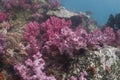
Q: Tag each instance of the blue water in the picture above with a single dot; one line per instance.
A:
(101, 9)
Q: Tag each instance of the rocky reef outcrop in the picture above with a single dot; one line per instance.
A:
(41, 40)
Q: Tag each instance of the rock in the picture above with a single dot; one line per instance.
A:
(110, 63)
(118, 53)
(61, 12)
(108, 56)
(87, 21)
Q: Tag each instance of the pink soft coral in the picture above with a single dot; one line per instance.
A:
(32, 69)
(3, 16)
(31, 29)
(31, 32)
(62, 36)
(56, 35)
(94, 39)
(98, 38)
(54, 25)
(24, 4)
(109, 36)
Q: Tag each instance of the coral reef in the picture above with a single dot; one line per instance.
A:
(41, 40)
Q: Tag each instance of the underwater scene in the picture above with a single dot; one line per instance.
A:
(59, 40)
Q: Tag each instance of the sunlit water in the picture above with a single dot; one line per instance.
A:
(101, 9)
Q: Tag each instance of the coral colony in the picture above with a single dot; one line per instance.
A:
(45, 40)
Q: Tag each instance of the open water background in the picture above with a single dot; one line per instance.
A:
(101, 9)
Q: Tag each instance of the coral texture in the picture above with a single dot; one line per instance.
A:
(2, 43)
(37, 65)
(3, 16)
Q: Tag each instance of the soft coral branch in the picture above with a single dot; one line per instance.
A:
(3, 16)
(33, 68)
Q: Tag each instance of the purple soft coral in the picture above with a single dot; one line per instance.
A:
(98, 38)
(109, 36)
(3, 16)
(62, 36)
(33, 69)
(54, 25)
(53, 35)
(31, 32)
(24, 4)
(95, 38)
